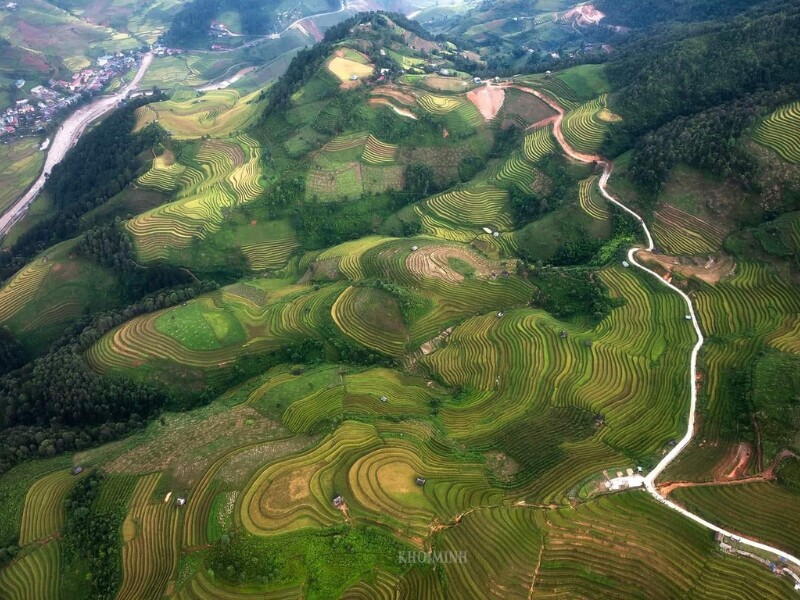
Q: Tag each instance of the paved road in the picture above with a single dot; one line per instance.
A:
(649, 481)
(65, 138)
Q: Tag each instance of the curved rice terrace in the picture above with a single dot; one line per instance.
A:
(681, 233)
(780, 132)
(592, 203)
(487, 426)
(538, 144)
(229, 175)
(583, 128)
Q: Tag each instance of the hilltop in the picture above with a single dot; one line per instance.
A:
(298, 337)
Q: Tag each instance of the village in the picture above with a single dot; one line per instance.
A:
(44, 102)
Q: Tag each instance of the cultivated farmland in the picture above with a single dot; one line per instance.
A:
(780, 131)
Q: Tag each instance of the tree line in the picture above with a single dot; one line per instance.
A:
(682, 70)
(103, 162)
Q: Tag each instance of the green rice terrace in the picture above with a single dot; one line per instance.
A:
(382, 331)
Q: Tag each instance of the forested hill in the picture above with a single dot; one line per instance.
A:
(190, 25)
(638, 14)
(689, 68)
(704, 81)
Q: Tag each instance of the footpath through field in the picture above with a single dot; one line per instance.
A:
(648, 482)
(65, 138)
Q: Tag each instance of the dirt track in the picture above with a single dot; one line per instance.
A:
(649, 482)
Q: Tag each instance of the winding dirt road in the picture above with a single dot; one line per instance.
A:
(65, 138)
(649, 481)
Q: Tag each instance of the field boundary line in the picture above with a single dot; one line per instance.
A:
(649, 481)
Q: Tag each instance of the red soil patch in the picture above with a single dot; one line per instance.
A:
(488, 100)
(583, 15)
(708, 269)
(743, 454)
(386, 102)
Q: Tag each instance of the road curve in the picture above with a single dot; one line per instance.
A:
(649, 481)
(65, 138)
(263, 38)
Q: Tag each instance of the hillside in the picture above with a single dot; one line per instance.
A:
(391, 328)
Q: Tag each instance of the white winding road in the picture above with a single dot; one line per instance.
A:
(649, 481)
(65, 138)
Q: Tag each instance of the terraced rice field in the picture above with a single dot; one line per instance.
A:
(382, 482)
(217, 113)
(780, 132)
(630, 543)
(763, 510)
(144, 116)
(231, 175)
(441, 105)
(754, 306)
(35, 575)
(624, 546)
(350, 253)
(557, 89)
(23, 287)
(286, 316)
(478, 206)
(164, 175)
(681, 233)
(516, 171)
(372, 318)
(150, 552)
(297, 493)
(203, 587)
(452, 295)
(493, 356)
(20, 163)
(271, 254)
(377, 152)
(592, 203)
(582, 127)
(43, 513)
(539, 143)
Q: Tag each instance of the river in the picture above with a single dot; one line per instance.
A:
(65, 138)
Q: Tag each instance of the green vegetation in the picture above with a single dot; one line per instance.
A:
(780, 131)
(766, 508)
(299, 337)
(21, 162)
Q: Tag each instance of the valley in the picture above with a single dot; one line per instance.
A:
(414, 317)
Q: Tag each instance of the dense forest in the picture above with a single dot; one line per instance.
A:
(57, 403)
(703, 140)
(191, 25)
(635, 13)
(686, 69)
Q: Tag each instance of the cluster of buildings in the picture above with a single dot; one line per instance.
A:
(31, 115)
(161, 50)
